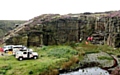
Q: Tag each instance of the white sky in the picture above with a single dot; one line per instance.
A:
(27, 9)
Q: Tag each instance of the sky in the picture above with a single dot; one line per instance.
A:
(28, 9)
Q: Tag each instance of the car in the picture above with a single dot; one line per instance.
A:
(26, 54)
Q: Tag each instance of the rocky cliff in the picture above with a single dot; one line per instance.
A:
(50, 29)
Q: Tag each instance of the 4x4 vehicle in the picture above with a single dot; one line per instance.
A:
(16, 48)
(26, 54)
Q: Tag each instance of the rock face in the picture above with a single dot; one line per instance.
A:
(102, 58)
(50, 29)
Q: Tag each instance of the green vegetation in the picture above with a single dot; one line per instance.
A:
(90, 48)
(61, 52)
(7, 25)
(105, 58)
(51, 58)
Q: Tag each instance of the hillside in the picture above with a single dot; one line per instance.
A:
(66, 52)
(50, 29)
(7, 25)
(54, 60)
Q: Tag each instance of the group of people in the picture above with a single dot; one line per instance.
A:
(89, 39)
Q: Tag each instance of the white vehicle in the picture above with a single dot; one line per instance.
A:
(26, 54)
(13, 48)
(7, 48)
(16, 48)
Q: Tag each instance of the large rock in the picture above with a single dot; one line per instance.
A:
(104, 59)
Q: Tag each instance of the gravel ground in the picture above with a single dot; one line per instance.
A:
(4, 54)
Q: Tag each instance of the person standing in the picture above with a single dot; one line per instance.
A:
(1, 51)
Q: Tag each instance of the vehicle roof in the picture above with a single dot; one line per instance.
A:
(18, 46)
(8, 45)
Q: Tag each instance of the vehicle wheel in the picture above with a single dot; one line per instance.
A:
(6, 51)
(35, 57)
(20, 58)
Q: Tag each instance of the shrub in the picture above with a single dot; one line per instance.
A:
(105, 58)
(31, 72)
(62, 52)
(44, 48)
(90, 52)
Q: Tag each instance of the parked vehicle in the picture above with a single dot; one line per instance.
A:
(26, 54)
(13, 48)
(16, 48)
(7, 48)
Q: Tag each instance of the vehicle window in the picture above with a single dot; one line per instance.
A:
(21, 50)
(30, 52)
(24, 52)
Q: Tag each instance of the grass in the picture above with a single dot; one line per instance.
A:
(105, 58)
(61, 52)
(90, 48)
(12, 66)
(52, 58)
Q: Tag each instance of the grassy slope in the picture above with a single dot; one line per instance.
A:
(50, 57)
(7, 25)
